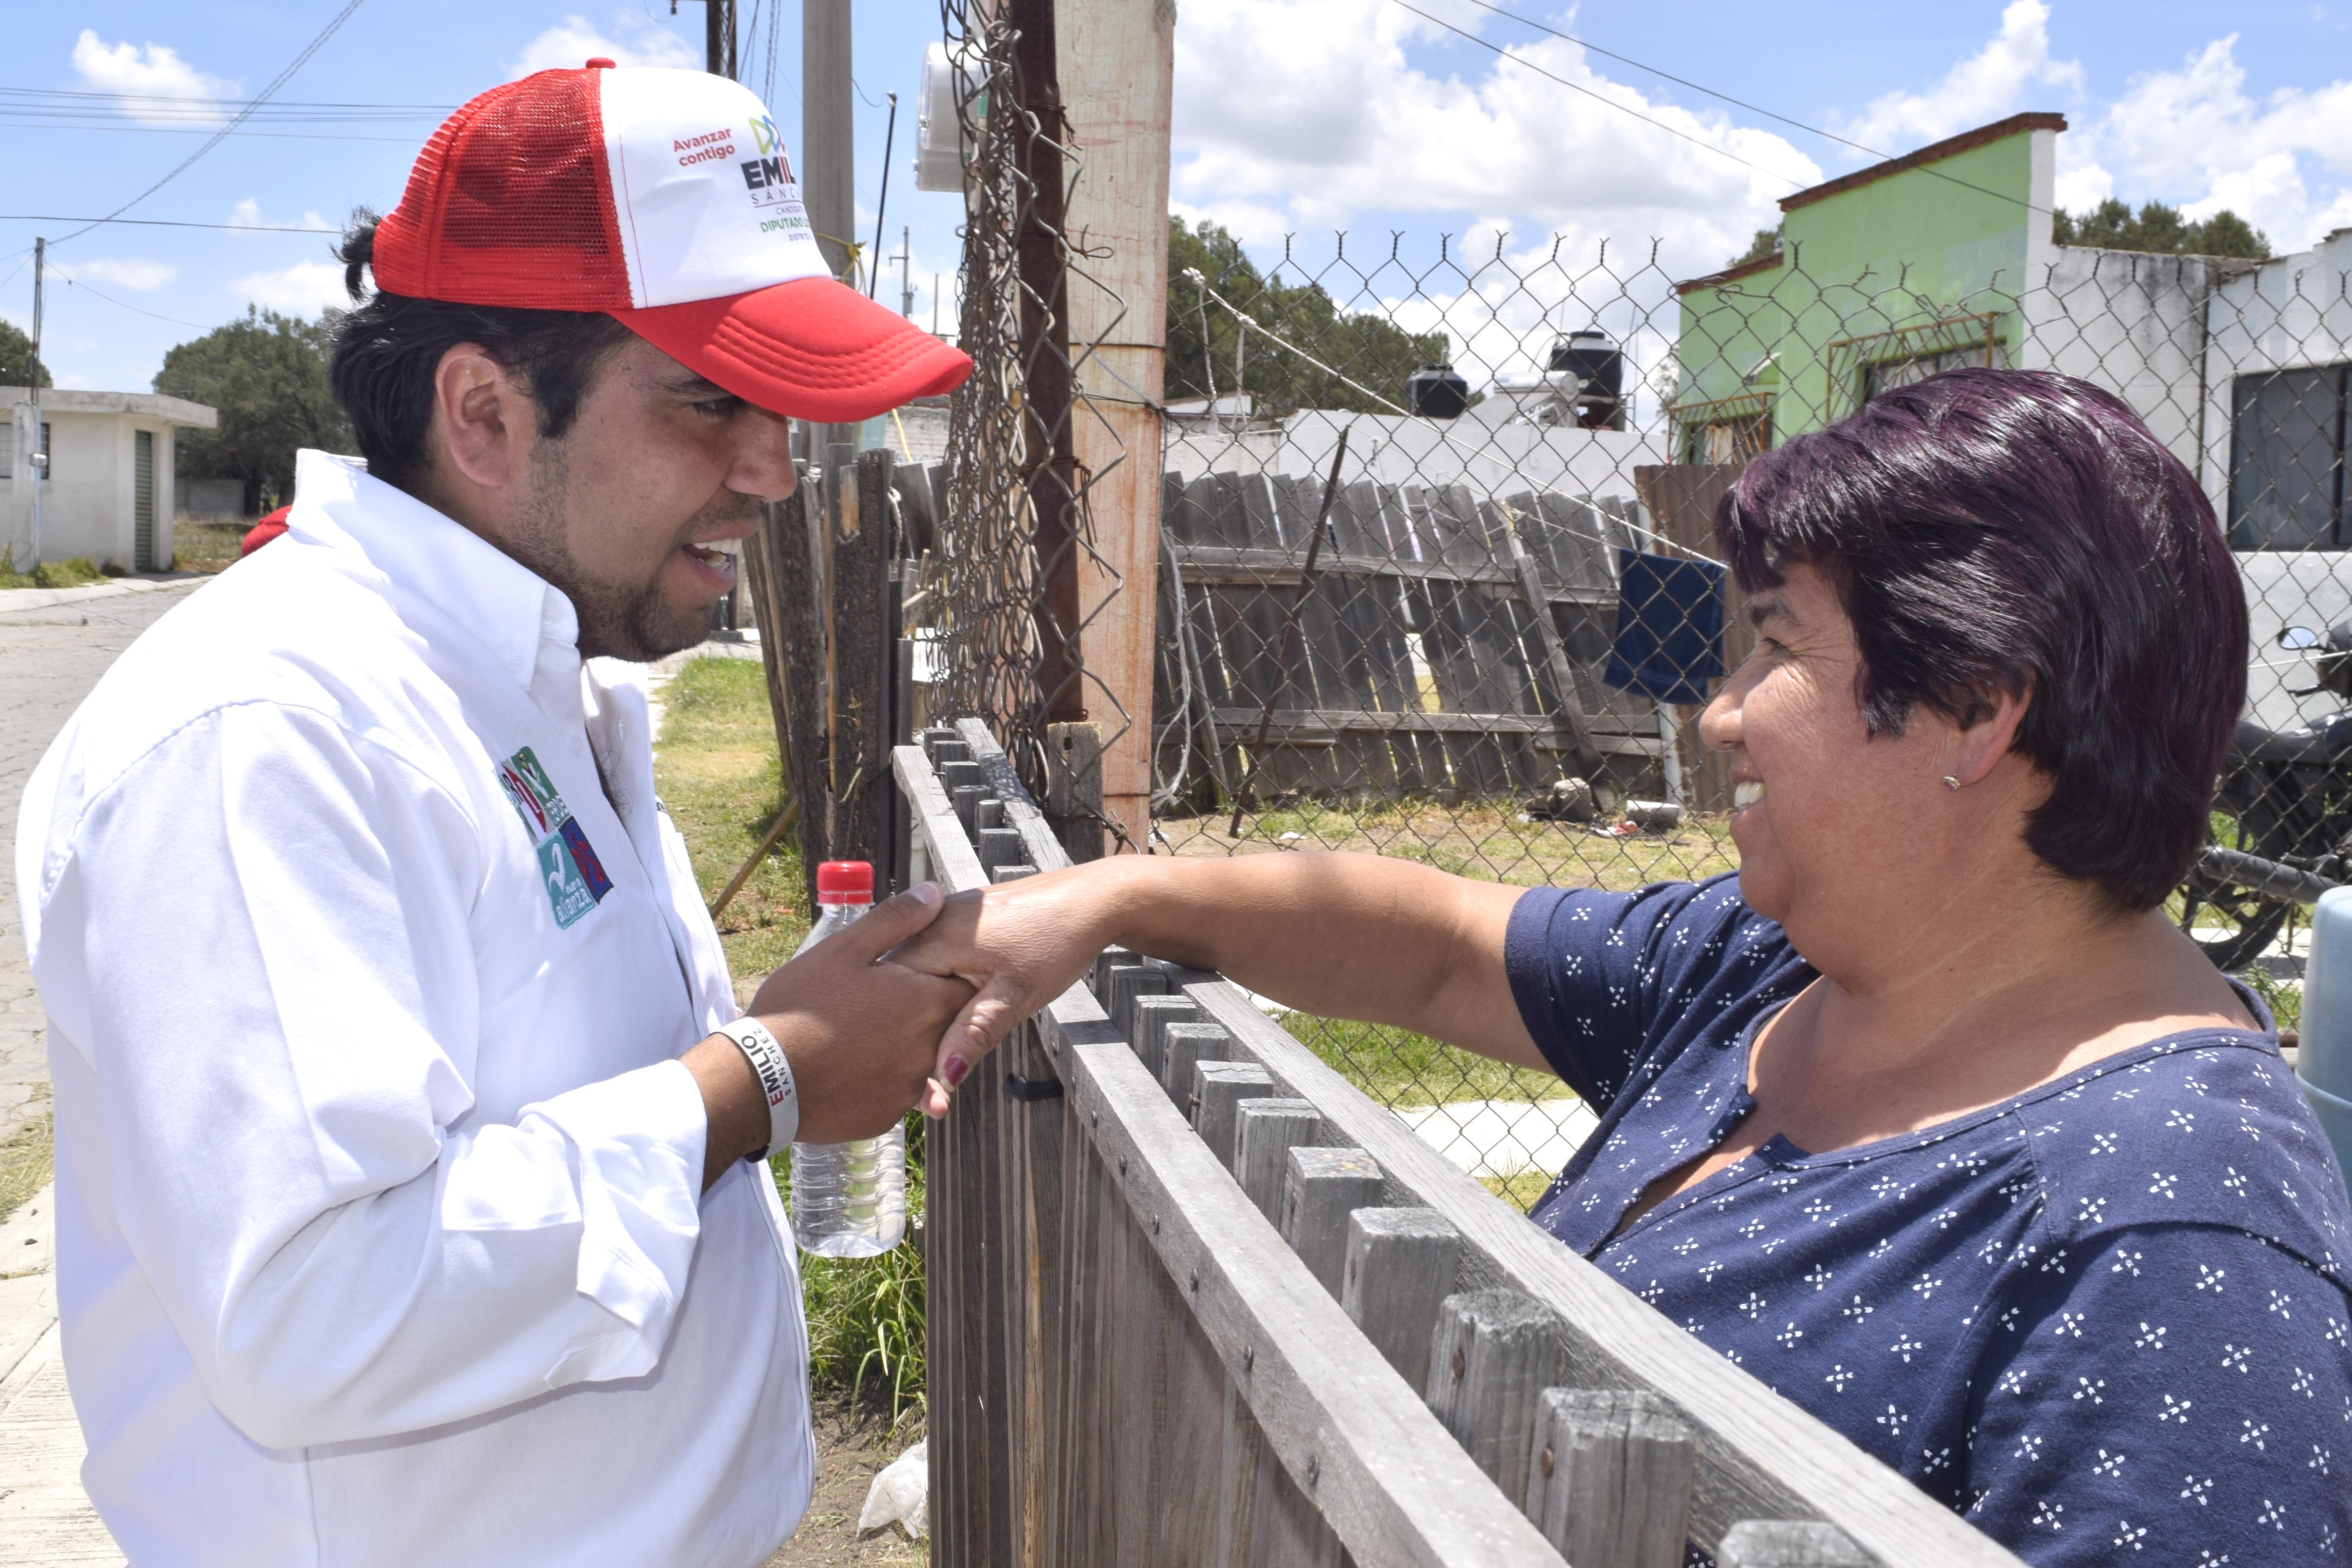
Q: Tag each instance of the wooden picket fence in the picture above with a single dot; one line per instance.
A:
(1194, 1300)
(1513, 598)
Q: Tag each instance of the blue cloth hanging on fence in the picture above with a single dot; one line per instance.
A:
(1669, 627)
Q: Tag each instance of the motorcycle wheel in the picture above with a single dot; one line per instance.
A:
(2230, 925)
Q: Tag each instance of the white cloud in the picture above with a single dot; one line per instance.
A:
(1299, 115)
(2193, 137)
(143, 275)
(147, 71)
(302, 289)
(2081, 186)
(574, 41)
(247, 214)
(1987, 86)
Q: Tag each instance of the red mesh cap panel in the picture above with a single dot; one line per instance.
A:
(511, 204)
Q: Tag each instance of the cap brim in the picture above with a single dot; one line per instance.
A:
(811, 349)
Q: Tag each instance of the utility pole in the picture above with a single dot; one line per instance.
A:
(1116, 76)
(905, 260)
(828, 166)
(38, 463)
(717, 37)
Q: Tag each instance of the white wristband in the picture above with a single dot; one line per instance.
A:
(775, 1076)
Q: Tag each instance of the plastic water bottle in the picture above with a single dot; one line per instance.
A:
(849, 1201)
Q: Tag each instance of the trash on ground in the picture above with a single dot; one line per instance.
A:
(900, 1495)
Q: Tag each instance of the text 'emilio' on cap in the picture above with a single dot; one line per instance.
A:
(665, 199)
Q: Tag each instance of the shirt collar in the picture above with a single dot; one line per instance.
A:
(514, 611)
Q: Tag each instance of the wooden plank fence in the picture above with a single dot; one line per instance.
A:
(1512, 599)
(1194, 1300)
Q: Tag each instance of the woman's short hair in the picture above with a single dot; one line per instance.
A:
(1996, 532)
(388, 348)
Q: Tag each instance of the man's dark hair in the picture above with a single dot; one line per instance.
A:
(1999, 532)
(387, 349)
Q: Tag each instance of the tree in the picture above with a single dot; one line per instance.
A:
(1364, 346)
(2111, 226)
(1766, 242)
(16, 357)
(267, 375)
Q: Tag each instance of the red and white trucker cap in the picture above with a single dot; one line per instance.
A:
(665, 199)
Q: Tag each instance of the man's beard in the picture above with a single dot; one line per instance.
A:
(617, 620)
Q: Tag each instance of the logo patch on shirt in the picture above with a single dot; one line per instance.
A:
(568, 865)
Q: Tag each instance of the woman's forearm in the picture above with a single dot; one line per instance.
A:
(1348, 935)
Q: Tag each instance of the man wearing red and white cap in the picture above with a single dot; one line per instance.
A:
(408, 1206)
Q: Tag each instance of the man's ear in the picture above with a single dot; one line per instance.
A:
(482, 416)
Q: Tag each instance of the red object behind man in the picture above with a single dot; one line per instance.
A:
(262, 532)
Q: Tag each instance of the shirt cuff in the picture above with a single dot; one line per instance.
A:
(638, 1143)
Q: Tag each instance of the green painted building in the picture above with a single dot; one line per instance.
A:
(1884, 276)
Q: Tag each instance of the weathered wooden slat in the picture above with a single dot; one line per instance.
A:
(1296, 727)
(1264, 1132)
(1399, 1266)
(1492, 1355)
(1782, 1544)
(999, 846)
(1219, 1089)
(1609, 1482)
(1320, 1188)
(1128, 983)
(1153, 1015)
(1349, 1440)
(1184, 1044)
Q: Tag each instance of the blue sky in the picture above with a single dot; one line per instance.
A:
(1292, 116)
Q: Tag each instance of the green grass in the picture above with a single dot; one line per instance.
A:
(74, 571)
(1398, 1068)
(717, 769)
(206, 547)
(27, 1162)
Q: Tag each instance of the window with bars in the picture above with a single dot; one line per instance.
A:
(2287, 489)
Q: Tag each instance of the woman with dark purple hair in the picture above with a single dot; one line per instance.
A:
(1928, 1117)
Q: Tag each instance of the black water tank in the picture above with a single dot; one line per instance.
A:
(1592, 357)
(1434, 392)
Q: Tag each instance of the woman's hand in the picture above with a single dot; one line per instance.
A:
(1019, 945)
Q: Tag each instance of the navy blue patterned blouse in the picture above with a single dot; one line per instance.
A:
(2105, 1320)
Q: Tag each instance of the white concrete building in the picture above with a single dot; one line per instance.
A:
(107, 492)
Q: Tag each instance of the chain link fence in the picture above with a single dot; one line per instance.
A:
(1437, 577)
(1012, 579)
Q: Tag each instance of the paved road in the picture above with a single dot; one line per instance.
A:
(53, 648)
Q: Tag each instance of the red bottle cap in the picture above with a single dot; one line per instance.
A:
(844, 882)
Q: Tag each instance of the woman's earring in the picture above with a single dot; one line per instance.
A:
(1951, 782)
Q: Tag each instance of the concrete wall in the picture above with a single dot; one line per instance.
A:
(1391, 449)
(2134, 324)
(2290, 312)
(87, 503)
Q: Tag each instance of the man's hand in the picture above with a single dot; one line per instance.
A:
(859, 1032)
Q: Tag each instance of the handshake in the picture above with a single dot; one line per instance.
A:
(900, 1008)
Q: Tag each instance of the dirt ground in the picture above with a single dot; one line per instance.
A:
(851, 1446)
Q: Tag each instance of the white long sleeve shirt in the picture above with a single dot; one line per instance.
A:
(368, 954)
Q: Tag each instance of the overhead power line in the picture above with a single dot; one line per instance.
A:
(276, 82)
(72, 282)
(160, 224)
(1527, 64)
(1663, 75)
